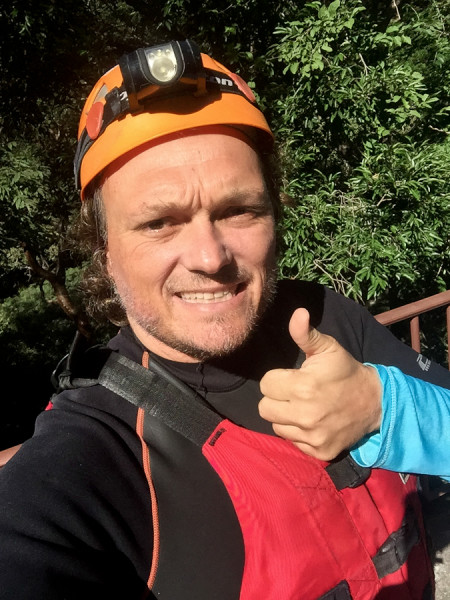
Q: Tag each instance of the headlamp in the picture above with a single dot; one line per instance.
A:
(148, 71)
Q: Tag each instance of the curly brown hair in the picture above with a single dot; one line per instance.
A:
(102, 303)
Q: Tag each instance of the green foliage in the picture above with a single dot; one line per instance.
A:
(365, 149)
(22, 177)
(384, 228)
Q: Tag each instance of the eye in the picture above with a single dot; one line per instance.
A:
(236, 211)
(164, 226)
(156, 225)
(239, 211)
(244, 213)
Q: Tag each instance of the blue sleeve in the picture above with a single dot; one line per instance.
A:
(414, 436)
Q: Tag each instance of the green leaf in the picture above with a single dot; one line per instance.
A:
(323, 13)
(349, 23)
(333, 7)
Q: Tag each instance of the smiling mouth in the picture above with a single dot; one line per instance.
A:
(208, 297)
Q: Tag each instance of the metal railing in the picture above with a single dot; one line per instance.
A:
(413, 311)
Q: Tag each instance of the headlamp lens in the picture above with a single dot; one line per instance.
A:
(162, 63)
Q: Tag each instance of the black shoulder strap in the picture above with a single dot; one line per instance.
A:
(160, 395)
(155, 390)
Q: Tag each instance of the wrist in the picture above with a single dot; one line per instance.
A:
(374, 395)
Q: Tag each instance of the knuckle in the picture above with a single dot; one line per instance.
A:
(267, 383)
(280, 430)
(320, 439)
(263, 407)
(309, 422)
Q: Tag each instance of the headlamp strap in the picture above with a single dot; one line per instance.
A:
(116, 103)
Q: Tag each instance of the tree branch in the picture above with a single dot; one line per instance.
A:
(61, 293)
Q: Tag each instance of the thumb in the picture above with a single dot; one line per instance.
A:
(306, 337)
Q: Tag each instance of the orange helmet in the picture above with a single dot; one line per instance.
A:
(155, 92)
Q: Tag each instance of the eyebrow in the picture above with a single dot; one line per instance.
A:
(259, 194)
(256, 196)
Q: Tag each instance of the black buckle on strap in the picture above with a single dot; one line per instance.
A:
(346, 473)
(395, 550)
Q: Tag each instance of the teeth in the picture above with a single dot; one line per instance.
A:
(206, 296)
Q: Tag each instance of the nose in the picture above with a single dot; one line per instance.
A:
(204, 249)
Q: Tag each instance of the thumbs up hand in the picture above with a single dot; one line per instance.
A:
(329, 403)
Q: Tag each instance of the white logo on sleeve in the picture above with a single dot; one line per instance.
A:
(424, 363)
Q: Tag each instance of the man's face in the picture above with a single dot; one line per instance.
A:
(191, 243)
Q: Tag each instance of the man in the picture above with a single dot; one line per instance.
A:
(191, 495)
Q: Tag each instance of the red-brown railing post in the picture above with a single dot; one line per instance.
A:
(414, 327)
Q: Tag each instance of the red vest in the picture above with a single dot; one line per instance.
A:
(303, 538)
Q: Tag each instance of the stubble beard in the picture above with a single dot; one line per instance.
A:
(228, 338)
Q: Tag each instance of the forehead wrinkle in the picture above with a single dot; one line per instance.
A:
(166, 196)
